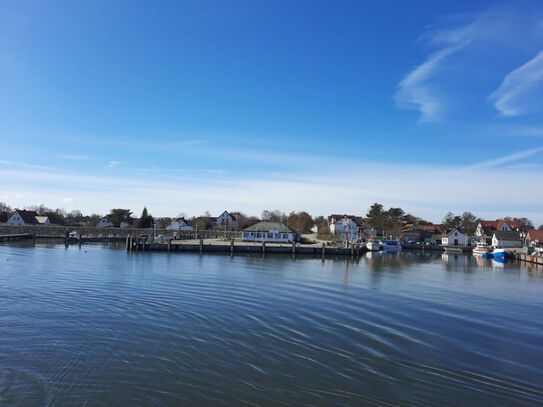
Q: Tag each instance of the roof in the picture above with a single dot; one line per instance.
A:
(41, 219)
(229, 214)
(506, 235)
(266, 226)
(356, 219)
(181, 219)
(459, 230)
(535, 234)
(491, 225)
(28, 216)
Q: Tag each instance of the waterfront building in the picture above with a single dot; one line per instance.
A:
(486, 228)
(455, 237)
(347, 227)
(421, 233)
(180, 224)
(506, 238)
(534, 238)
(268, 232)
(27, 218)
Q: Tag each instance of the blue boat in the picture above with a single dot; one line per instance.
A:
(500, 254)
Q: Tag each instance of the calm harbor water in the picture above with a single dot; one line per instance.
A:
(96, 326)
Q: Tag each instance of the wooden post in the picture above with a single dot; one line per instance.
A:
(293, 247)
(232, 247)
(352, 250)
(201, 245)
(127, 243)
(358, 250)
(170, 244)
(263, 247)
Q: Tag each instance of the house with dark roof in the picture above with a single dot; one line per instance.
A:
(421, 233)
(180, 224)
(347, 227)
(226, 220)
(268, 232)
(506, 238)
(27, 218)
(105, 222)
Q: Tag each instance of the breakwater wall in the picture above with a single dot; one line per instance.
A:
(60, 232)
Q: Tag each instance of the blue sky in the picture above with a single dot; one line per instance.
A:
(251, 105)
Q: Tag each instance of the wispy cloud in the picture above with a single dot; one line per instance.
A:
(505, 159)
(521, 91)
(464, 45)
(416, 92)
(75, 157)
(113, 164)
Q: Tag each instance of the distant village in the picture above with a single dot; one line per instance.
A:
(277, 226)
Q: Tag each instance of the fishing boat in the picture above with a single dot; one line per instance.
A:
(372, 246)
(482, 250)
(391, 245)
(500, 254)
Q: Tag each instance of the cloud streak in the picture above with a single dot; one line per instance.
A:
(416, 92)
(521, 91)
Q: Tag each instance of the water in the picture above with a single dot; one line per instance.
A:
(96, 326)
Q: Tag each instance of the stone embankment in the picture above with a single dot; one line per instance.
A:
(60, 232)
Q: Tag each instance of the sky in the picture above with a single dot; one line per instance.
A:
(324, 106)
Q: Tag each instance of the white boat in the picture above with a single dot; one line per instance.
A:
(391, 245)
(482, 250)
(372, 246)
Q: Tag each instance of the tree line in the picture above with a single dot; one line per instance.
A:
(383, 221)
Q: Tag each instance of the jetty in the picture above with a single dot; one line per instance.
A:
(138, 244)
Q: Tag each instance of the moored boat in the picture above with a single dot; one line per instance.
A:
(372, 246)
(500, 254)
(391, 245)
(482, 250)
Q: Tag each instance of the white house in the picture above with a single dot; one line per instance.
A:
(347, 227)
(43, 220)
(268, 232)
(507, 239)
(179, 224)
(104, 223)
(455, 237)
(22, 217)
(227, 220)
(486, 228)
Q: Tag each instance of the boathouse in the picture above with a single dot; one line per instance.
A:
(268, 232)
(502, 238)
(455, 237)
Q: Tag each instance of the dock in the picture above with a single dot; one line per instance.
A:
(135, 244)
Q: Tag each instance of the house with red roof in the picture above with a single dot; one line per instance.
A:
(486, 228)
(534, 238)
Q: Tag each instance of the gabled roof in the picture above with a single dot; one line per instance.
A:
(27, 216)
(356, 219)
(229, 214)
(506, 235)
(181, 219)
(535, 234)
(41, 219)
(266, 226)
(491, 225)
(459, 230)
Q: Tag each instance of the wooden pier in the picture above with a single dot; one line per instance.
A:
(16, 237)
(529, 258)
(136, 244)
